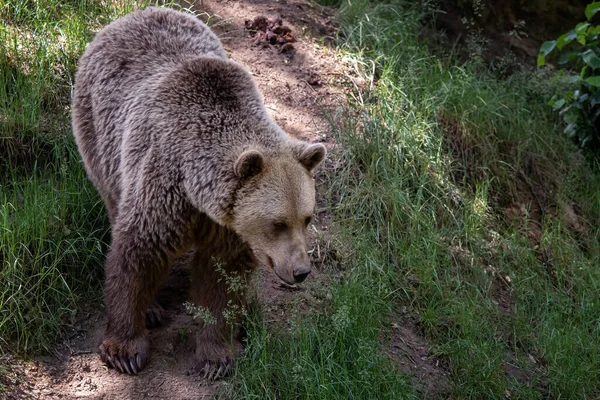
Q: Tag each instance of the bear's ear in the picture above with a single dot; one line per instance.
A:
(311, 155)
(248, 164)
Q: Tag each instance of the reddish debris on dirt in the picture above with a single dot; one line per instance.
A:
(271, 32)
(260, 23)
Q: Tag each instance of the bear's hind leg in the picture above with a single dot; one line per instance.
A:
(217, 342)
(155, 315)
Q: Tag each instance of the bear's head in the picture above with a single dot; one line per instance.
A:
(277, 207)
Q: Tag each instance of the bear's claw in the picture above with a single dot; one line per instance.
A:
(155, 316)
(131, 365)
(214, 370)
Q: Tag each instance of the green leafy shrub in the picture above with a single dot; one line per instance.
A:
(580, 106)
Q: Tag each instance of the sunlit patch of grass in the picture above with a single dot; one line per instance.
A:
(52, 230)
(325, 356)
(40, 43)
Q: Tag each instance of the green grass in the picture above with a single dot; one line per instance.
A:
(323, 355)
(554, 316)
(52, 231)
(489, 299)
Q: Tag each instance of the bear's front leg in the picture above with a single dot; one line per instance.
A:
(217, 342)
(134, 272)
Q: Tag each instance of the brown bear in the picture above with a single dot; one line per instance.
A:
(176, 138)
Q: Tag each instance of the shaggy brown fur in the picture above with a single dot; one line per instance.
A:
(177, 140)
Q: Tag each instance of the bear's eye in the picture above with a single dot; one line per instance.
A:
(307, 221)
(280, 226)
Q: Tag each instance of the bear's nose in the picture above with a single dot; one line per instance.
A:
(300, 274)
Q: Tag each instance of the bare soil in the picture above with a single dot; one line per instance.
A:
(405, 343)
(298, 83)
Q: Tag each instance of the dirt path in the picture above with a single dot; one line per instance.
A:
(298, 82)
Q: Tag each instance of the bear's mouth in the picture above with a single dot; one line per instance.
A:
(270, 263)
(272, 266)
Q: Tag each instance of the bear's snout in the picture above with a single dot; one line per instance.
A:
(292, 269)
(301, 273)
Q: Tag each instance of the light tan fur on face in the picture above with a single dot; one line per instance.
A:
(273, 217)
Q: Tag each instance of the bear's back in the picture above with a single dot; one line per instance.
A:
(148, 41)
(124, 59)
